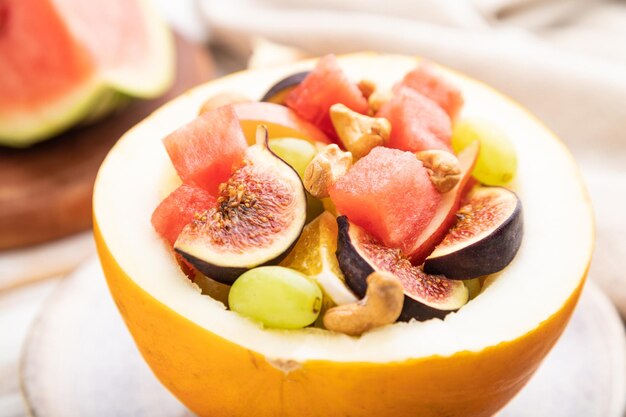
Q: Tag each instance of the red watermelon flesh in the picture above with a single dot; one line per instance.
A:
(63, 62)
(127, 45)
(205, 151)
(427, 82)
(41, 64)
(389, 194)
(424, 243)
(178, 209)
(324, 86)
(417, 123)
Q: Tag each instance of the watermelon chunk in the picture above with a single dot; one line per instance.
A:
(324, 86)
(178, 209)
(68, 61)
(417, 123)
(424, 243)
(205, 151)
(389, 194)
(427, 82)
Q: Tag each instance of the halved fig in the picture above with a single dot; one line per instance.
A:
(426, 296)
(444, 218)
(278, 92)
(485, 238)
(258, 217)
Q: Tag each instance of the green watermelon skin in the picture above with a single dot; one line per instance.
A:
(70, 62)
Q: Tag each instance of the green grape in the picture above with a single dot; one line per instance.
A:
(473, 286)
(276, 296)
(497, 160)
(314, 208)
(296, 152)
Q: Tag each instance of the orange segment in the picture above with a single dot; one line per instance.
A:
(314, 255)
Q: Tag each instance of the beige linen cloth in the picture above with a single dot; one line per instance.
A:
(565, 60)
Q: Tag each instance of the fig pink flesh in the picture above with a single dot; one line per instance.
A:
(416, 283)
(485, 238)
(251, 209)
(482, 213)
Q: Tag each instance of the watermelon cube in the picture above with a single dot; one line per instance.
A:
(427, 82)
(324, 86)
(205, 151)
(389, 194)
(417, 123)
(178, 209)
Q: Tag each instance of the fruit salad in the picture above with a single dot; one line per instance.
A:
(384, 204)
(341, 246)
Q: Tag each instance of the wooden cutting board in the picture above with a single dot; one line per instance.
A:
(45, 191)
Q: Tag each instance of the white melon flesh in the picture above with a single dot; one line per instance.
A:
(552, 261)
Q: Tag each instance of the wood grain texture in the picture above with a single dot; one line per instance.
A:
(45, 191)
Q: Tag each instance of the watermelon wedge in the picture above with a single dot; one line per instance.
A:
(326, 85)
(205, 150)
(389, 194)
(63, 62)
(178, 209)
(426, 81)
(422, 245)
(418, 123)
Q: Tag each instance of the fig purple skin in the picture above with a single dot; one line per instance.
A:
(484, 240)
(284, 84)
(227, 274)
(359, 255)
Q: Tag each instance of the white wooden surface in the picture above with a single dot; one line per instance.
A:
(27, 277)
(18, 309)
(58, 258)
(81, 361)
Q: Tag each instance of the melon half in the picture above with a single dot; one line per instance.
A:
(470, 364)
(63, 62)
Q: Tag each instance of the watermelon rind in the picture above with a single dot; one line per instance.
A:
(27, 128)
(99, 95)
(152, 83)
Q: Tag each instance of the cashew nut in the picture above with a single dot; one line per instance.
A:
(326, 167)
(442, 167)
(381, 305)
(359, 133)
(222, 99)
(377, 99)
